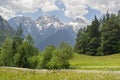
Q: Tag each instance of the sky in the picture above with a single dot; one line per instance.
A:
(64, 9)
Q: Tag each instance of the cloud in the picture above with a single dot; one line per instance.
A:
(27, 6)
(19, 5)
(75, 8)
(71, 8)
(104, 5)
(48, 5)
(6, 13)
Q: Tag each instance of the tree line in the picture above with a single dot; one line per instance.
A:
(102, 37)
(20, 51)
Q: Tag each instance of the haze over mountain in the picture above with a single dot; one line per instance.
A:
(48, 30)
(28, 26)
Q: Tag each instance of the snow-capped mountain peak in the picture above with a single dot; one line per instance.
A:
(77, 24)
(46, 28)
(45, 22)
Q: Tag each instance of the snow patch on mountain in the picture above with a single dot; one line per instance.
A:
(46, 27)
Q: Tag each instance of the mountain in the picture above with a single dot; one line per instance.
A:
(48, 30)
(29, 27)
(56, 38)
(48, 24)
(54, 31)
(77, 24)
(5, 30)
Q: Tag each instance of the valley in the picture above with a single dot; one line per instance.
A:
(59, 40)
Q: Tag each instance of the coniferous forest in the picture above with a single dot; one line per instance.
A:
(100, 38)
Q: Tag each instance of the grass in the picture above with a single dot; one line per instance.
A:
(84, 60)
(85, 68)
(29, 74)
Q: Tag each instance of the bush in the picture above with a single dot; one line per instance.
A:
(59, 60)
(53, 58)
(45, 57)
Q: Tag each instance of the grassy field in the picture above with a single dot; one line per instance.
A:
(29, 74)
(111, 62)
(85, 68)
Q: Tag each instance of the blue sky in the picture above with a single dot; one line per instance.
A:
(66, 10)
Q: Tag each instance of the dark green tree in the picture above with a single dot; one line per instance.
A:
(81, 41)
(88, 40)
(110, 36)
(29, 40)
(25, 52)
(18, 38)
(94, 37)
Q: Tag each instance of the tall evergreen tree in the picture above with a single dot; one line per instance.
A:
(110, 35)
(81, 41)
(101, 37)
(88, 40)
(18, 38)
(25, 52)
(94, 37)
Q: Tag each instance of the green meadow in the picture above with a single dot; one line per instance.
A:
(110, 62)
(83, 67)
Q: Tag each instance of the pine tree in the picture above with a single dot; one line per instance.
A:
(88, 40)
(18, 38)
(81, 41)
(94, 37)
(25, 53)
(110, 35)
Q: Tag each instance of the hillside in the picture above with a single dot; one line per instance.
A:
(5, 30)
(83, 61)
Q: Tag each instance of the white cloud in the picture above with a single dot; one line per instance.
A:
(75, 8)
(19, 5)
(104, 5)
(27, 6)
(48, 5)
(6, 13)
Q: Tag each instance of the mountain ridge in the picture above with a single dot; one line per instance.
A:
(5, 30)
(46, 26)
